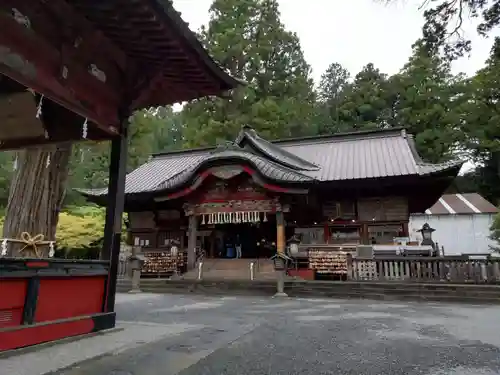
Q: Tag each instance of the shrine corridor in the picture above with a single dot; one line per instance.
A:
(198, 335)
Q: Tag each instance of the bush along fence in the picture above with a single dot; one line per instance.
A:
(424, 269)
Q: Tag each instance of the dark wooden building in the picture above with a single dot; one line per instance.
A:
(345, 189)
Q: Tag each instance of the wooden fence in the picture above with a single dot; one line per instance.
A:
(420, 269)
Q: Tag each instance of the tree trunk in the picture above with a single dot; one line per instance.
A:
(36, 196)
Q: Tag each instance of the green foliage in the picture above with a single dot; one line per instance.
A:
(249, 40)
(428, 103)
(78, 226)
(331, 92)
(495, 232)
(365, 101)
(444, 20)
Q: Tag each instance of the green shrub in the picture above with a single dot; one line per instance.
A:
(495, 232)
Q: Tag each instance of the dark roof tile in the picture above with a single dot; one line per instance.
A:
(372, 154)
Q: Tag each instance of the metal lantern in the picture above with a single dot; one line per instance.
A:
(426, 231)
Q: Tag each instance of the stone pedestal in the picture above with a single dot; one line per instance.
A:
(136, 280)
(280, 284)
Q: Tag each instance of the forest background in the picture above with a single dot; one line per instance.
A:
(451, 115)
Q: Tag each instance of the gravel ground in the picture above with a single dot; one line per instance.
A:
(199, 335)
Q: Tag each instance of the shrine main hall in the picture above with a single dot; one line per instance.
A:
(228, 201)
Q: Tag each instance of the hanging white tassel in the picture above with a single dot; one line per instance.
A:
(210, 219)
(265, 218)
(14, 166)
(203, 219)
(39, 108)
(51, 249)
(227, 218)
(47, 164)
(85, 129)
(4, 247)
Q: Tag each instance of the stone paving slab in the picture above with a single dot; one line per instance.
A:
(292, 336)
(59, 356)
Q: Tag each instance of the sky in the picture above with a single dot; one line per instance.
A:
(353, 32)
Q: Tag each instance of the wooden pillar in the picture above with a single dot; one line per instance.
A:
(114, 212)
(192, 233)
(326, 233)
(365, 240)
(280, 232)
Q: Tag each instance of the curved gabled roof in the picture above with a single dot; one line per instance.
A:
(233, 155)
(273, 152)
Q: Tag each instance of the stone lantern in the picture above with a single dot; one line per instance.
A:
(426, 232)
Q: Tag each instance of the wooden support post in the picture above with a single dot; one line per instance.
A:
(114, 212)
(280, 232)
(192, 233)
(280, 248)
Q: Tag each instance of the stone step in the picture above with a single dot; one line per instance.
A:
(340, 290)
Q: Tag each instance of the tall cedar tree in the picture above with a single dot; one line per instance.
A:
(331, 91)
(249, 40)
(38, 184)
(481, 124)
(364, 102)
(428, 101)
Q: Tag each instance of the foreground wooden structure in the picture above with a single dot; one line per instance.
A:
(72, 71)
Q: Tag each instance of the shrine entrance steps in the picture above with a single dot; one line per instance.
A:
(234, 269)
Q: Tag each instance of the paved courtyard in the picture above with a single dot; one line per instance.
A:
(198, 335)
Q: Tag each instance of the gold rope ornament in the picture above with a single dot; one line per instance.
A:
(29, 243)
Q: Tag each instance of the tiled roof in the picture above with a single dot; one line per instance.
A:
(362, 155)
(468, 203)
